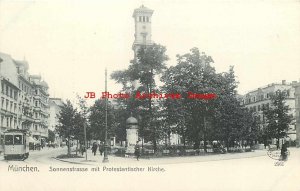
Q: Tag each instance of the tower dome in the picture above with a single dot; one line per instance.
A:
(131, 120)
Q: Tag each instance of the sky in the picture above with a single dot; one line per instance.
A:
(71, 42)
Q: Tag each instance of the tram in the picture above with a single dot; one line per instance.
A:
(16, 144)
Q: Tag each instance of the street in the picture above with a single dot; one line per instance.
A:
(248, 174)
(42, 157)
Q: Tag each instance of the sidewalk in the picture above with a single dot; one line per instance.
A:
(96, 160)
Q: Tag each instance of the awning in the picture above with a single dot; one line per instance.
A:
(32, 140)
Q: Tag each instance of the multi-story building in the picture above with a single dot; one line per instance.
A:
(55, 105)
(24, 99)
(297, 108)
(40, 107)
(259, 99)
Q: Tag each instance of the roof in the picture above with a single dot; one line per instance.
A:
(16, 130)
(56, 101)
(43, 83)
(142, 9)
(22, 63)
(131, 120)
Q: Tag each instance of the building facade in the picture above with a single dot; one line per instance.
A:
(297, 108)
(55, 105)
(259, 99)
(24, 99)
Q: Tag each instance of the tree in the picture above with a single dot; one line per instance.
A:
(277, 117)
(190, 117)
(84, 128)
(149, 62)
(66, 120)
(250, 130)
(51, 136)
(202, 120)
(97, 120)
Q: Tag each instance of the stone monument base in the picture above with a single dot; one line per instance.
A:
(130, 150)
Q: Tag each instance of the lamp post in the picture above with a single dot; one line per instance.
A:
(85, 142)
(105, 158)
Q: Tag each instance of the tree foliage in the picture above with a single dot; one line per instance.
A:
(67, 122)
(278, 117)
(149, 62)
(97, 120)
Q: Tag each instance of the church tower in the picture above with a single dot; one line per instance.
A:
(142, 36)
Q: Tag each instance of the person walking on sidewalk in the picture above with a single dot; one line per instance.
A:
(101, 148)
(94, 148)
(137, 150)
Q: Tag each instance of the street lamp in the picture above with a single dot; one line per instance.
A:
(105, 158)
(85, 141)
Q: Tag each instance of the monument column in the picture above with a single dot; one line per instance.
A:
(131, 134)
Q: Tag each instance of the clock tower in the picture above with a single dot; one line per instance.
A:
(142, 35)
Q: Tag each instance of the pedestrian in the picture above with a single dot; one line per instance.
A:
(284, 151)
(137, 150)
(82, 149)
(94, 148)
(101, 148)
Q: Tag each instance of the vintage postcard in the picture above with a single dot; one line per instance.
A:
(150, 95)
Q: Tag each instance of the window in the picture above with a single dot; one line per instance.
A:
(18, 140)
(258, 108)
(2, 119)
(1, 139)
(8, 139)
(15, 95)
(2, 87)
(268, 96)
(140, 18)
(288, 93)
(7, 102)
(143, 18)
(147, 18)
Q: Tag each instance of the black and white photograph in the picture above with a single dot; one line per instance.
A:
(150, 95)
